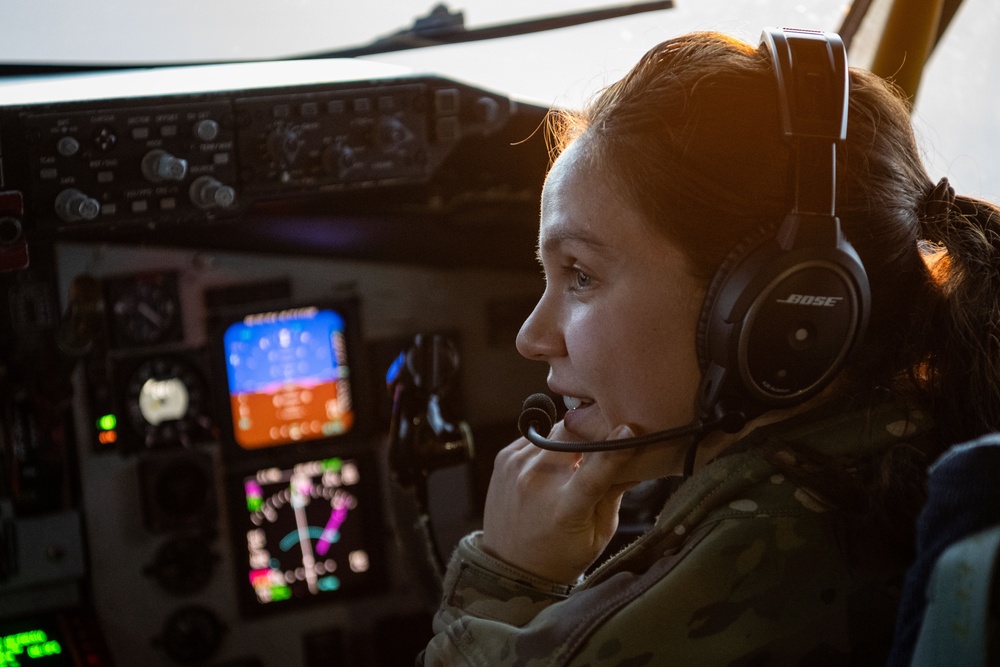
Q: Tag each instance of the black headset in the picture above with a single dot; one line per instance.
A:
(782, 315)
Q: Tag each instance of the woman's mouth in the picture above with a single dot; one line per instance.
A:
(576, 414)
(573, 402)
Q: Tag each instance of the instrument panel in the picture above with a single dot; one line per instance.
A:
(209, 155)
(322, 213)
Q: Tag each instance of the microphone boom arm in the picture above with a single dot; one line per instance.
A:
(539, 414)
(694, 428)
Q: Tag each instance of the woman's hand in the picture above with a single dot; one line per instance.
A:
(553, 513)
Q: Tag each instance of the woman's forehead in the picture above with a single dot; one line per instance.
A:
(580, 204)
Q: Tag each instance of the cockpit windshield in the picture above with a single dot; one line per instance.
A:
(536, 62)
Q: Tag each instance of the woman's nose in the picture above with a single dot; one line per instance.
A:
(540, 337)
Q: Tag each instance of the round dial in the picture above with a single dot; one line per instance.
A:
(145, 310)
(192, 634)
(166, 402)
(163, 400)
(183, 565)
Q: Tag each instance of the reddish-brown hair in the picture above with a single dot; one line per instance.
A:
(690, 139)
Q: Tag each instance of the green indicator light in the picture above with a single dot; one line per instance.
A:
(41, 650)
(280, 593)
(332, 464)
(18, 641)
(107, 422)
(254, 504)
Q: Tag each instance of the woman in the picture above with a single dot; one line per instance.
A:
(788, 540)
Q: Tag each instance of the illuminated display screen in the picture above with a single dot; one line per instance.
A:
(289, 377)
(306, 531)
(32, 645)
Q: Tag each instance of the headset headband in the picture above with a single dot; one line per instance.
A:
(811, 70)
(782, 315)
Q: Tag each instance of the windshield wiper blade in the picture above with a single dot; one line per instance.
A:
(441, 26)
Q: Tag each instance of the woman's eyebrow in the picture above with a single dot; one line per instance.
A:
(560, 237)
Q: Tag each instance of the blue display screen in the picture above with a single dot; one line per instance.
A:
(289, 377)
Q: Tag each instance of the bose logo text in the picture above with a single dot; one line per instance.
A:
(810, 300)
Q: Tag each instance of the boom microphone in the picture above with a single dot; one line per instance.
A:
(538, 411)
(538, 415)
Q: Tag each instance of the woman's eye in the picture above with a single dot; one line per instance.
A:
(574, 278)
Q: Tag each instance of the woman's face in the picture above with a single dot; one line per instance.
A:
(618, 317)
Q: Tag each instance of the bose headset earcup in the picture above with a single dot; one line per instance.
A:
(782, 315)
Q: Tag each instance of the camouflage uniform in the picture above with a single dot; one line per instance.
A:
(743, 567)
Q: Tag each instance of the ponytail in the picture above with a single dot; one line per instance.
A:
(961, 243)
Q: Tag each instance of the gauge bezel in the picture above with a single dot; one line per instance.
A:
(187, 364)
(143, 309)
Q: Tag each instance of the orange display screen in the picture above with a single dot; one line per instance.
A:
(289, 378)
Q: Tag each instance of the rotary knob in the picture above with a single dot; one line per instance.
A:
(206, 129)
(75, 206)
(208, 193)
(67, 146)
(341, 160)
(159, 166)
(392, 133)
(284, 144)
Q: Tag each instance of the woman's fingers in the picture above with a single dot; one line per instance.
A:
(599, 473)
(553, 513)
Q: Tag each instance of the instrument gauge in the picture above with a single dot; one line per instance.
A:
(166, 402)
(144, 309)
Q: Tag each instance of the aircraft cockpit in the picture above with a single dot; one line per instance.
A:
(262, 269)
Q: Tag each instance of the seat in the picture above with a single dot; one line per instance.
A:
(959, 625)
(946, 613)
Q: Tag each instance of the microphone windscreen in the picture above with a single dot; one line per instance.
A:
(538, 410)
